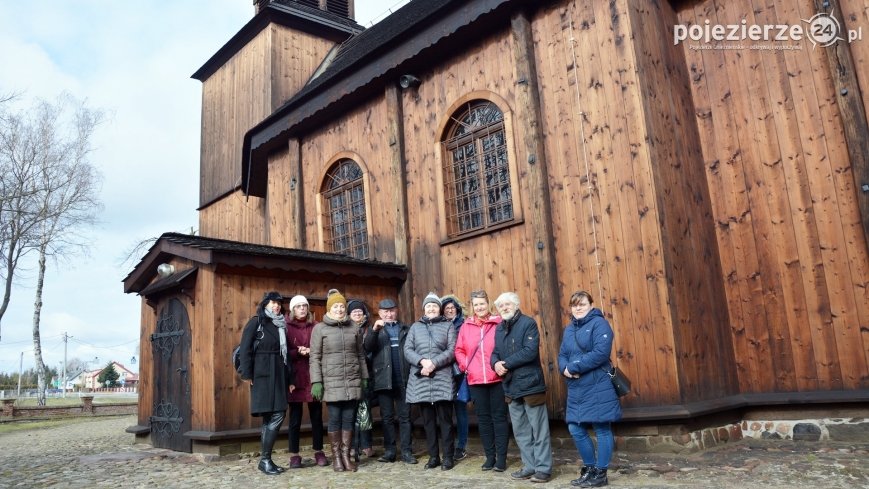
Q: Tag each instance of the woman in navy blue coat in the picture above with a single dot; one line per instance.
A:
(592, 403)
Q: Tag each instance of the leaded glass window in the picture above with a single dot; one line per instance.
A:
(476, 171)
(344, 223)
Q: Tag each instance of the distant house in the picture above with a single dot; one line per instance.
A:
(87, 379)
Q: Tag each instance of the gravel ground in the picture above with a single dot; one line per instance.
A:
(97, 452)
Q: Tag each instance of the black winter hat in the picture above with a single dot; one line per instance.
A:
(272, 296)
(354, 304)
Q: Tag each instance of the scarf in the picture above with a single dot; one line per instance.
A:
(281, 324)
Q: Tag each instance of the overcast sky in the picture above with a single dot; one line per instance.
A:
(133, 60)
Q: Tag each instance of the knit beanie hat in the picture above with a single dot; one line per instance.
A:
(334, 297)
(296, 300)
(431, 298)
(354, 304)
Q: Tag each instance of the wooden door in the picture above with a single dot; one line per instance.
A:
(170, 344)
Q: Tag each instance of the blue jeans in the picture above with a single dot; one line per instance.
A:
(604, 434)
(461, 409)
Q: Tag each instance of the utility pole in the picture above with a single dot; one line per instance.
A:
(63, 376)
(20, 371)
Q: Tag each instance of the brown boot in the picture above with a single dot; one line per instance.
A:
(335, 441)
(346, 441)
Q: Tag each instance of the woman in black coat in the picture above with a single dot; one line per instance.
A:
(264, 365)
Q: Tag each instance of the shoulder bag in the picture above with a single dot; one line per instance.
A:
(621, 382)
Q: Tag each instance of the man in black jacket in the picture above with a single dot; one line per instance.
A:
(385, 341)
(517, 360)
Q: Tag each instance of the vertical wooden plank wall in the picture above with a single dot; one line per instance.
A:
(604, 201)
(691, 271)
(498, 261)
(207, 362)
(856, 17)
(263, 75)
(148, 326)
(234, 99)
(236, 217)
(539, 208)
(280, 200)
(363, 134)
(295, 55)
(784, 203)
(398, 178)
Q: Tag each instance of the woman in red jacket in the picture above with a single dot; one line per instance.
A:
(474, 347)
(299, 338)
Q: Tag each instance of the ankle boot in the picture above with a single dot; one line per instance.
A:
(335, 442)
(596, 478)
(583, 476)
(346, 459)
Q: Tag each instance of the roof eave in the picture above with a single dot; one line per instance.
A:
(281, 15)
(347, 84)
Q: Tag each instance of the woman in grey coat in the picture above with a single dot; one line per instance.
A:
(338, 375)
(429, 349)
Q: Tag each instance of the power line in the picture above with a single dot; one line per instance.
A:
(73, 338)
(11, 343)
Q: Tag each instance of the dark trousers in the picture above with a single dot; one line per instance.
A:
(437, 419)
(315, 412)
(393, 406)
(342, 415)
(492, 419)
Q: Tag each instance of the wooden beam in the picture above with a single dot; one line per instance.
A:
(297, 198)
(529, 121)
(398, 181)
(850, 102)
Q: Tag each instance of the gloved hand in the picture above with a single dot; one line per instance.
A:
(317, 390)
(364, 385)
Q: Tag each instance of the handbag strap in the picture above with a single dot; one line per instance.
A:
(465, 371)
(468, 364)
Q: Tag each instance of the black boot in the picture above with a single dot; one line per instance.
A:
(267, 442)
(268, 467)
(596, 478)
(583, 476)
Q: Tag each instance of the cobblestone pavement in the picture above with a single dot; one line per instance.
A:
(98, 453)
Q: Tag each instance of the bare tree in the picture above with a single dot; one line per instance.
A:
(19, 161)
(59, 197)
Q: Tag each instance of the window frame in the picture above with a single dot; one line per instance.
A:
(442, 156)
(325, 229)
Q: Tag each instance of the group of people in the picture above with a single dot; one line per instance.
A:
(344, 359)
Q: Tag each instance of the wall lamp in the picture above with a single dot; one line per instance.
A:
(408, 81)
(165, 269)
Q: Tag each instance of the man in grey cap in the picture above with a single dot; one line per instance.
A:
(385, 341)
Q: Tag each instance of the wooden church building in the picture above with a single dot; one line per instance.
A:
(711, 193)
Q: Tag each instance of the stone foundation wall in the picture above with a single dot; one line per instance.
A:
(790, 423)
(835, 429)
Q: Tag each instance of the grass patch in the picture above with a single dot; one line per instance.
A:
(23, 425)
